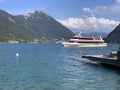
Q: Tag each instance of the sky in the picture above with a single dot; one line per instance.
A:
(77, 15)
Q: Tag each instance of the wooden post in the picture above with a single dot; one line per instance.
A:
(118, 55)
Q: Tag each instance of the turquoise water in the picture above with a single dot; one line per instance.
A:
(53, 67)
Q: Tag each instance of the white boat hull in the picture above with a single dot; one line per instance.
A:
(68, 44)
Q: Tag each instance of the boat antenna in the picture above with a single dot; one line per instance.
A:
(100, 37)
(79, 34)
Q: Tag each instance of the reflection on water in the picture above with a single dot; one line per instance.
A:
(53, 67)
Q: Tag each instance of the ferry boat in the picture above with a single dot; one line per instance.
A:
(85, 41)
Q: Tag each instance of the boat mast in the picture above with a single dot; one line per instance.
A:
(79, 34)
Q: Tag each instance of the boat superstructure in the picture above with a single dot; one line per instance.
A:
(85, 41)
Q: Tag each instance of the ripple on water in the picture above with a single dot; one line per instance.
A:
(52, 67)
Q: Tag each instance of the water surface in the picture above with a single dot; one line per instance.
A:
(53, 67)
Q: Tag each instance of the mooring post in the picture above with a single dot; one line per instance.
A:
(118, 54)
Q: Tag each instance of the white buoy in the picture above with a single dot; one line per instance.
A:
(17, 54)
(17, 57)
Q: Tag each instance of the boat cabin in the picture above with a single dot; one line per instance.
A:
(86, 39)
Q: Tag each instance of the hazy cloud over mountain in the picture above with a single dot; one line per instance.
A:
(90, 24)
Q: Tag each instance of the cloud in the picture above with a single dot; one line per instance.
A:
(113, 9)
(88, 10)
(117, 1)
(90, 24)
(74, 23)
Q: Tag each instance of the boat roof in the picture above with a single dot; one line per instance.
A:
(78, 36)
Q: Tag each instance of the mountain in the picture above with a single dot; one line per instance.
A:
(32, 26)
(9, 29)
(114, 36)
(43, 25)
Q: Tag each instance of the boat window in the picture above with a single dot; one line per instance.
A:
(83, 38)
(87, 38)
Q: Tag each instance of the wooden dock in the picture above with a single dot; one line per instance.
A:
(111, 60)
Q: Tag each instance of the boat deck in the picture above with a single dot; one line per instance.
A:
(100, 56)
(103, 59)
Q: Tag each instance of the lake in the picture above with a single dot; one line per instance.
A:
(53, 67)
